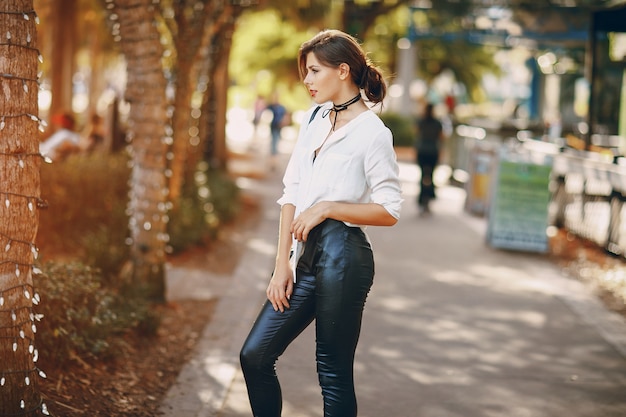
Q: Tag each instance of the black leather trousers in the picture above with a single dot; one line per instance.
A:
(334, 276)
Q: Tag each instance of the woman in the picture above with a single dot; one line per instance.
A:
(342, 176)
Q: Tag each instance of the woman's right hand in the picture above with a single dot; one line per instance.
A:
(280, 287)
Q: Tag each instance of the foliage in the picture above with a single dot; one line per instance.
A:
(401, 127)
(263, 59)
(436, 56)
(86, 215)
(265, 48)
(442, 46)
(204, 206)
(82, 315)
(305, 13)
(86, 218)
(86, 304)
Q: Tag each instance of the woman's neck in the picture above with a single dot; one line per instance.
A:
(344, 98)
(343, 112)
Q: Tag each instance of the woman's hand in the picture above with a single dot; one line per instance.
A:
(308, 219)
(280, 287)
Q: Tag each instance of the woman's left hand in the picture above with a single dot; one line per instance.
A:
(308, 219)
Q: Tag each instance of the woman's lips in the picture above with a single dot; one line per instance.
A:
(313, 92)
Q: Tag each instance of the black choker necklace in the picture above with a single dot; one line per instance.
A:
(341, 107)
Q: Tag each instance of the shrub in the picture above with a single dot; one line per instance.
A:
(83, 316)
(206, 204)
(401, 127)
(86, 216)
(87, 305)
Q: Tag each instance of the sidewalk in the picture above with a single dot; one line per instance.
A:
(452, 328)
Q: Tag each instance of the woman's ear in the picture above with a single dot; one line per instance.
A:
(344, 71)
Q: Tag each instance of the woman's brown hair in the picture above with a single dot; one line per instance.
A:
(333, 48)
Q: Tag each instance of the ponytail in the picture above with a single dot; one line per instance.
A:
(373, 84)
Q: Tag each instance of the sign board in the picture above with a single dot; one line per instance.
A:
(481, 166)
(518, 213)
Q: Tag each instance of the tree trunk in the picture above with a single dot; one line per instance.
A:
(19, 203)
(213, 119)
(190, 25)
(147, 133)
(181, 125)
(220, 148)
(62, 65)
(195, 44)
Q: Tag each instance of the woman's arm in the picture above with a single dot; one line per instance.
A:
(281, 285)
(367, 214)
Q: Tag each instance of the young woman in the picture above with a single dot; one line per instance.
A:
(342, 176)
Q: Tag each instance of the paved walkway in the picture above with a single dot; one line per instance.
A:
(452, 328)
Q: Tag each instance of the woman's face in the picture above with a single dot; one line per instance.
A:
(322, 81)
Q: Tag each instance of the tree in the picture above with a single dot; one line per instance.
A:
(63, 44)
(19, 191)
(135, 25)
(213, 116)
(201, 37)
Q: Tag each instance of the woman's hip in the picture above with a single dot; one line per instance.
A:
(333, 244)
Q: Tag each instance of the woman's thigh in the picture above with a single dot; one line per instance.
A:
(273, 331)
(344, 275)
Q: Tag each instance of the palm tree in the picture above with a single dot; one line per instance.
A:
(19, 192)
(136, 27)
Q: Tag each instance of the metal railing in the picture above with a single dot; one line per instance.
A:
(588, 189)
(588, 194)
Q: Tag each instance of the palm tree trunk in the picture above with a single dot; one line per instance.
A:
(19, 196)
(148, 126)
(64, 41)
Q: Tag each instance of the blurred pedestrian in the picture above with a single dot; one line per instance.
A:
(342, 176)
(64, 140)
(278, 113)
(428, 149)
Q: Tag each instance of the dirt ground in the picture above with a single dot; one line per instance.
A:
(603, 273)
(135, 383)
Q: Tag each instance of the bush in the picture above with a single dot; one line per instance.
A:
(401, 127)
(206, 204)
(86, 216)
(83, 316)
(87, 305)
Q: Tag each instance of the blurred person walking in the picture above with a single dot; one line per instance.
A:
(278, 114)
(428, 149)
(342, 176)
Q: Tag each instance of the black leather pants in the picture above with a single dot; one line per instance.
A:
(334, 276)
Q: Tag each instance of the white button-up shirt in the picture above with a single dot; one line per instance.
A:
(356, 164)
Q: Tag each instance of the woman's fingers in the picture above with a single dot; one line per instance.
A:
(300, 230)
(279, 298)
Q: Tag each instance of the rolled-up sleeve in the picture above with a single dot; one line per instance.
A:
(291, 178)
(382, 173)
(290, 182)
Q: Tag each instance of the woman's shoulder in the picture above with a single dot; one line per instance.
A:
(370, 129)
(374, 123)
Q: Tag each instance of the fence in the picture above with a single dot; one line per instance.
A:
(587, 189)
(588, 196)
